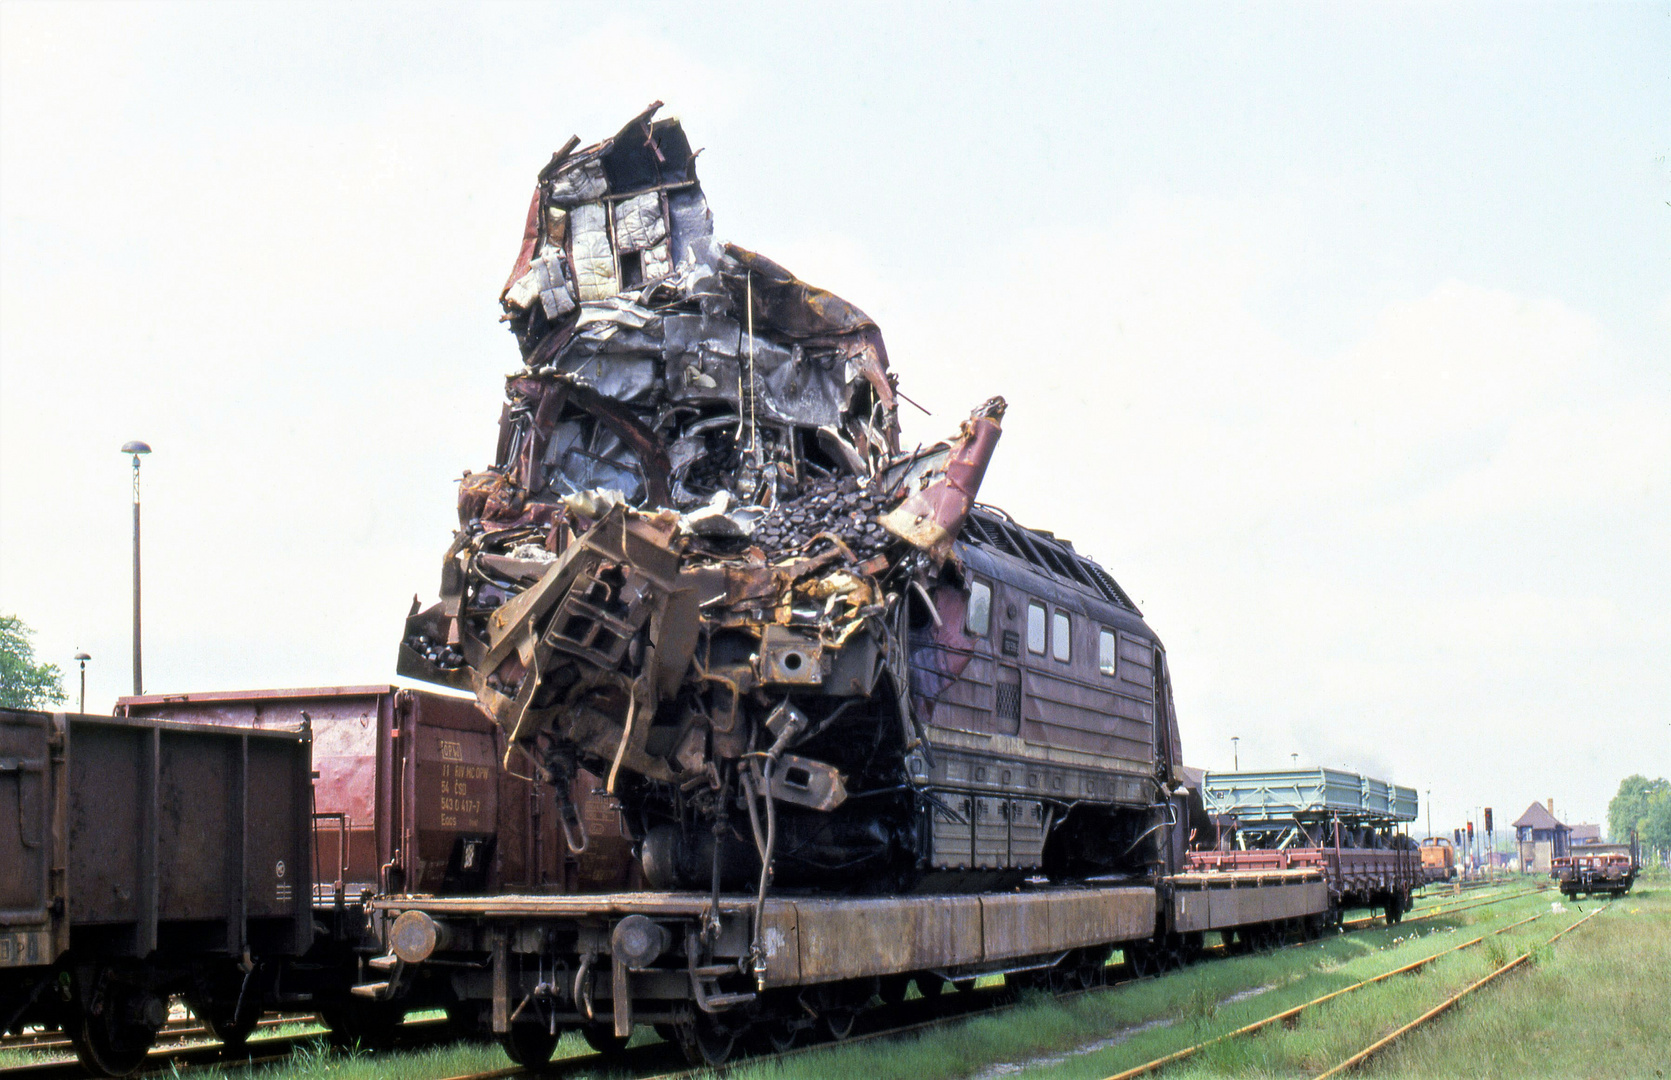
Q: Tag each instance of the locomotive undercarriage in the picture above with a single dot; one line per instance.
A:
(854, 811)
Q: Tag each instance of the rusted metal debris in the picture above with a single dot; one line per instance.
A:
(703, 567)
(697, 442)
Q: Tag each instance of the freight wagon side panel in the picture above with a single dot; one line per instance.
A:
(30, 764)
(188, 838)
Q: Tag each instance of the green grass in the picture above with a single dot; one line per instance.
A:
(1596, 1004)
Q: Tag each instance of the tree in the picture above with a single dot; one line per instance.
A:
(1645, 806)
(25, 684)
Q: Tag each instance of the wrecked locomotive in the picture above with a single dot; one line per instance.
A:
(703, 567)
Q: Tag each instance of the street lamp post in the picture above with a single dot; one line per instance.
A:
(83, 658)
(1235, 756)
(1296, 758)
(136, 448)
(1430, 812)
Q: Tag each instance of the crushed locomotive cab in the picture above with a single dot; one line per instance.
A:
(702, 567)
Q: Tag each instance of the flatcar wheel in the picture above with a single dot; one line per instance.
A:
(838, 1023)
(775, 1035)
(529, 1045)
(705, 1042)
(602, 1038)
(930, 986)
(963, 986)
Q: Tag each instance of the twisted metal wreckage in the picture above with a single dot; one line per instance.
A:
(701, 566)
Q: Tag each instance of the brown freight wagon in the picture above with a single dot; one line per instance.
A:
(410, 795)
(142, 860)
(409, 798)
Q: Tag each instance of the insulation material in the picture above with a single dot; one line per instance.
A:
(595, 270)
(551, 271)
(556, 226)
(639, 222)
(658, 261)
(547, 281)
(580, 182)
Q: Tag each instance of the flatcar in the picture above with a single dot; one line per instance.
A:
(1608, 869)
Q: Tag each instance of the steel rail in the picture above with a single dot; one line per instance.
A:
(1430, 913)
(1380, 1044)
(1289, 1014)
(175, 1031)
(174, 1060)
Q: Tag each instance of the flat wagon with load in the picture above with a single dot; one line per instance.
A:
(772, 718)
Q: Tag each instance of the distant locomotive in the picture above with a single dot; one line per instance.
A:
(702, 567)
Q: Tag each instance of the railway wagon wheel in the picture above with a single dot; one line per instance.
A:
(1092, 967)
(529, 1045)
(226, 1009)
(112, 1036)
(930, 986)
(705, 1040)
(777, 1034)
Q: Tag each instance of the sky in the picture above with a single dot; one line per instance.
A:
(1340, 334)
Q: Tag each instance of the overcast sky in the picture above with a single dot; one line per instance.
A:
(1341, 334)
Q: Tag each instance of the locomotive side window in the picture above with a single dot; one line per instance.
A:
(1035, 627)
(978, 620)
(1108, 659)
(1061, 636)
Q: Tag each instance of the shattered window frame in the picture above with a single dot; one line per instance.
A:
(1061, 636)
(1108, 652)
(1037, 636)
(977, 620)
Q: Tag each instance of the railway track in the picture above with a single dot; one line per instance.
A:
(1288, 1017)
(174, 1034)
(208, 1054)
(1444, 1006)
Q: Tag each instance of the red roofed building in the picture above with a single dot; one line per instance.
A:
(1541, 838)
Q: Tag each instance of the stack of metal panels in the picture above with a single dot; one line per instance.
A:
(1291, 794)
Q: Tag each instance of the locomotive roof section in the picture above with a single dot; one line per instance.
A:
(990, 527)
(994, 562)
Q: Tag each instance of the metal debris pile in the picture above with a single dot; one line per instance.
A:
(698, 503)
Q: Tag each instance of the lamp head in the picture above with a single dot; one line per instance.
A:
(136, 447)
(83, 657)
